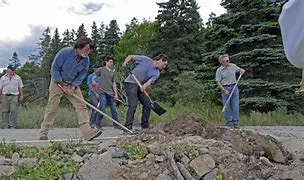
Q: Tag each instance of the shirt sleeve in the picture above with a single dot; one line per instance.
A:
(218, 75)
(141, 59)
(292, 30)
(237, 69)
(154, 76)
(89, 79)
(57, 66)
(20, 83)
(1, 83)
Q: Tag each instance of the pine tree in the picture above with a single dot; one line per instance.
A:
(101, 43)
(68, 38)
(178, 35)
(112, 37)
(44, 44)
(81, 32)
(15, 61)
(95, 36)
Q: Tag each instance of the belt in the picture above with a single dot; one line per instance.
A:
(10, 94)
(229, 85)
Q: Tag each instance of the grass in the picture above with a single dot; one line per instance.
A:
(51, 163)
(32, 116)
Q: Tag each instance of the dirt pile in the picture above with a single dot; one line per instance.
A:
(186, 125)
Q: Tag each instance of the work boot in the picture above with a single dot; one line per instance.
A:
(43, 137)
(89, 133)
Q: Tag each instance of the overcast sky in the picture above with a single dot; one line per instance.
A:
(22, 21)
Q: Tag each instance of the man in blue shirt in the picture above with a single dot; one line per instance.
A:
(68, 70)
(93, 93)
(147, 72)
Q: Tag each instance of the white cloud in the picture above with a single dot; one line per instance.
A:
(19, 15)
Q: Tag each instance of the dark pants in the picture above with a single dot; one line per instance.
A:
(134, 95)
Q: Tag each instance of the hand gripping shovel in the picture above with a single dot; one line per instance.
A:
(231, 93)
(99, 111)
(155, 106)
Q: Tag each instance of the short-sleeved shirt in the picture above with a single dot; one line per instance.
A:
(11, 86)
(144, 71)
(106, 79)
(292, 26)
(226, 75)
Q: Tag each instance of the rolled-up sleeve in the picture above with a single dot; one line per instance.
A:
(292, 30)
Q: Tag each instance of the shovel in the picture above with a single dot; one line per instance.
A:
(155, 106)
(227, 102)
(99, 111)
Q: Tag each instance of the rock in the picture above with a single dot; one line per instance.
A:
(202, 164)
(163, 177)
(155, 148)
(77, 158)
(143, 176)
(95, 167)
(15, 156)
(69, 176)
(184, 171)
(185, 160)
(6, 170)
(118, 153)
(266, 161)
(4, 161)
(210, 175)
(31, 162)
(291, 175)
(159, 159)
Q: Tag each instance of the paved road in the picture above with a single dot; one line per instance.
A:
(290, 135)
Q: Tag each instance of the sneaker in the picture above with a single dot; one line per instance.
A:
(43, 137)
(97, 132)
(236, 126)
(150, 126)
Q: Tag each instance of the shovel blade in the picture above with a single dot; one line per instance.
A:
(158, 109)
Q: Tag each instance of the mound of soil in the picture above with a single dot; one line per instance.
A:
(186, 125)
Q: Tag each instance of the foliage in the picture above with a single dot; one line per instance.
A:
(191, 152)
(135, 39)
(15, 61)
(134, 152)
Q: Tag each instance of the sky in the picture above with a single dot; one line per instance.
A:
(23, 21)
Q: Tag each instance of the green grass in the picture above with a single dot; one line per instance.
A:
(32, 116)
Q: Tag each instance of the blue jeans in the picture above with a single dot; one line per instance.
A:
(232, 105)
(94, 102)
(106, 100)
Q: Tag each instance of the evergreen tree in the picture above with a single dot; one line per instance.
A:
(44, 44)
(250, 34)
(81, 32)
(15, 61)
(101, 43)
(68, 38)
(111, 38)
(95, 36)
(178, 35)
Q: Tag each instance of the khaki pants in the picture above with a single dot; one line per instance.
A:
(52, 107)
(9, 108)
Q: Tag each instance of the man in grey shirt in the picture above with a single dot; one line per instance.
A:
(226, 80)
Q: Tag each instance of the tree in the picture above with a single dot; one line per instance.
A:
(250, 34)
(68, 38)
(44, 44)
(178, 35)
(54, 47)
(101, 43)
(111, 38)
(81, 32)
(95, 36)
(135, 39)
(15, 61)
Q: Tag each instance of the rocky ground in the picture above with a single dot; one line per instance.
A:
(186, 148)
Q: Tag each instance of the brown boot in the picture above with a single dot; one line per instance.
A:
(89, 133)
